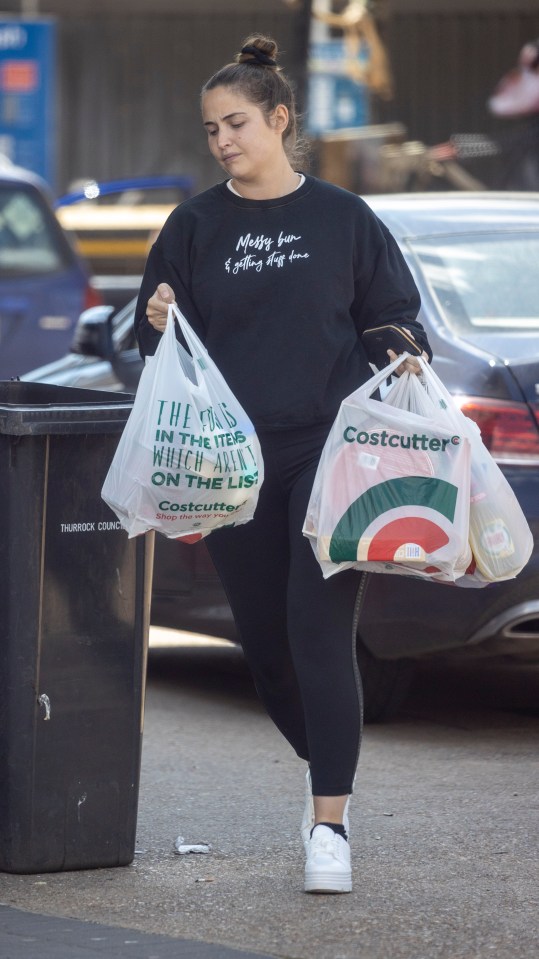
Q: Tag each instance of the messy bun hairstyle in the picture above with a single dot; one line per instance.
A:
(256, 75)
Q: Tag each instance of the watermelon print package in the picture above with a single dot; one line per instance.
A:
(392, 490)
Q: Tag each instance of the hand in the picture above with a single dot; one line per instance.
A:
(443, 151)
(158, 304)
(410, 364)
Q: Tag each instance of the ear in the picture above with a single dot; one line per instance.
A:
(279, 118)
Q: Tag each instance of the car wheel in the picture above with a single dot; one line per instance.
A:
(385, 682)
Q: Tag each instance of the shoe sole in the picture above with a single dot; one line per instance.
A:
(328, 884)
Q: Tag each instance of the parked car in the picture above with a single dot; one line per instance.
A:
(474, 258)
(44, 283)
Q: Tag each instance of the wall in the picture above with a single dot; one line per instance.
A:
(447, 63)
(130, 73)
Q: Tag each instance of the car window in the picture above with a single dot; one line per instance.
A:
(485, 284)
(29, 244)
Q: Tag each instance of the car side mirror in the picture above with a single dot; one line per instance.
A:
(93, 333)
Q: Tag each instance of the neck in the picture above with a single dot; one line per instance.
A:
(276, 184)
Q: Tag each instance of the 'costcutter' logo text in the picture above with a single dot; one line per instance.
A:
(414, 441)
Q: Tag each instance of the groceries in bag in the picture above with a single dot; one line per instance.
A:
(189, 460)
(392, 489)
(500, 537)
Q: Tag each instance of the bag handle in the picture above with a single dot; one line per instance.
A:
(196, 347)
(405, 394)
(441, 396)
(377, 379)
(364, 392)
(192, 360)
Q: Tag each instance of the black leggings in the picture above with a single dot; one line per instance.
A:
(296, 628)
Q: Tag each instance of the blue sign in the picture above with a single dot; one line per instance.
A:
(336, 100)
(28, 95)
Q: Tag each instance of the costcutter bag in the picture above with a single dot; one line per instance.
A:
(189, 460)
(392, 490)
(500, 538)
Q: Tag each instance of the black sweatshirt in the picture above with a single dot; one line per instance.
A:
(280, 291)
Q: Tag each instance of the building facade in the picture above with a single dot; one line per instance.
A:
(130, 71)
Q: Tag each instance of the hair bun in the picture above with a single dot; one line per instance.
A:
(258, 50)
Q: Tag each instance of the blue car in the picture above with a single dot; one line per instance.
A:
(44, 283)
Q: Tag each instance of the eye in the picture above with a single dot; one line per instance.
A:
(236, 126)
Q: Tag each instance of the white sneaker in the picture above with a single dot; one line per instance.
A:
(307, 823)
(328, 867)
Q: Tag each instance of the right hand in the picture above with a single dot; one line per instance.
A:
(158, 304)
(410, 364)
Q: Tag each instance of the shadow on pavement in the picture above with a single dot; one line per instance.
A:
(478, 687)
(443, 686)
(213, 670)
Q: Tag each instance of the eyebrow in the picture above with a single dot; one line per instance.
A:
(237, 113)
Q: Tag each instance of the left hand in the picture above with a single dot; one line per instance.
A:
(410, 364)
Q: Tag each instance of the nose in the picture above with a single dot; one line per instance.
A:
(223, 138)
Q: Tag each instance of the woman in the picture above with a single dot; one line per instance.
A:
(514, 152)
(280, 273)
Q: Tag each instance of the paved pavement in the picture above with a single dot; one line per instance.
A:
(444, 833)
(24, 935)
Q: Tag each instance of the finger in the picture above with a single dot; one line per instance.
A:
(410, 334)
(410, 364)
(165, 292)
(400, 369)
(158, 321)
(157, 307)
(414, 366)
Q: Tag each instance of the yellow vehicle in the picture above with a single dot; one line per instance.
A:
(115, 223)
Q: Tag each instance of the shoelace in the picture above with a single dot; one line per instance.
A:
(325, 843)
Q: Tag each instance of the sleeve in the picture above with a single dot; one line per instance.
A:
(161, 269)
(385, 291)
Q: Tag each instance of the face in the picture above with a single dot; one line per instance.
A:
(243, 141)
(517, 94)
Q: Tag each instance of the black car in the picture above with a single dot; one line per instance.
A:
(474, 258)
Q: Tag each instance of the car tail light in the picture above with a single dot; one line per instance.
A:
(92, 297)
(508, 430)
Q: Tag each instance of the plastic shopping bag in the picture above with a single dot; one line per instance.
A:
(188, 460)
(500, 538)
(392, 489)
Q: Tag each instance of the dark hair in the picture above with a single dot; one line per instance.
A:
(255, 73)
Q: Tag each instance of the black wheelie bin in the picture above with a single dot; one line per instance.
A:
(74, 605)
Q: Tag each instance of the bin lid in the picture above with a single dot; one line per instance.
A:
(41, 408)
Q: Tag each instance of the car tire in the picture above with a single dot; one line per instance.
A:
(385, 682)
